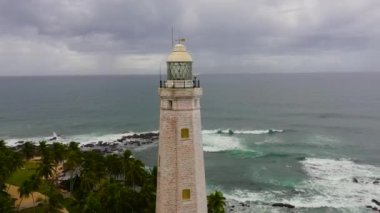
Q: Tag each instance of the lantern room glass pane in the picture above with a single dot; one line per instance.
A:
(179, 71)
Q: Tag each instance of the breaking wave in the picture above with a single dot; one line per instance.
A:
(82, 139)
(219, 143)
(213, 140)
(243, 132)
(332, 183)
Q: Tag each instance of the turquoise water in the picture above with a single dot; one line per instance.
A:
(328, 130)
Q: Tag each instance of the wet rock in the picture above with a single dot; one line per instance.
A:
(355, 180)
(376, 202)
(283, 205)
(376, 182)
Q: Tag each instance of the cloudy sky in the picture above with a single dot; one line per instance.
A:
(81, 37)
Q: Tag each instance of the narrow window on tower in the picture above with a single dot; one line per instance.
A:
(185, 133)
(195, 103)
(186, 194)
(170, 104)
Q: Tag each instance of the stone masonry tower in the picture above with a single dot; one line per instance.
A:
(181, 183)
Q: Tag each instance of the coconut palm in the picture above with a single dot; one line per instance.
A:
(92, 171)
(27, 187)
(28, 149)
(25, 190)
(92, 204)
(6, 202)
(127, 159)
(72, 164)
(43, 149)
(58, 152)
(10, 161)
(54, 203)
(216, 202)
(114, 166)
(46, 168)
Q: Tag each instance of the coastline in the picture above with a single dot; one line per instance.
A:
(114, 145)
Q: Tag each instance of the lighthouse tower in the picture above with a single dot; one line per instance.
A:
(181, 183)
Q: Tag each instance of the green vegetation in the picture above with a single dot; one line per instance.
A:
(216, 202)
(95, 183)
(23, 173)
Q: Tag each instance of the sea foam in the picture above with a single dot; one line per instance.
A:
(219, 143)
(330, 184)
(243, 132)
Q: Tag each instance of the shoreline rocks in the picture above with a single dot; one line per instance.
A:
(376, 202)
(119, 145)
(286, 205)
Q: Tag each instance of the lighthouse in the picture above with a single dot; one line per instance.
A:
(181, 185)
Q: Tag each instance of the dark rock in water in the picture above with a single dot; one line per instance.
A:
(374, 209)
(376, 202)
(20, 142)
(283, 205)
(300, 158)
(230, 132)
(376, 182)
(368, 207)
(355, 180)
(88, 145)
(219, 131)
(53, 139)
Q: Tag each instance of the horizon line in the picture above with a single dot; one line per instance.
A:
(201, 74)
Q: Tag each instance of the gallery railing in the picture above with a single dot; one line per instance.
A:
(180, 84)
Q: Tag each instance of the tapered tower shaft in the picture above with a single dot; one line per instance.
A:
(181, 183)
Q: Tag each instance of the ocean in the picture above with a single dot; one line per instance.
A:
(300, 139)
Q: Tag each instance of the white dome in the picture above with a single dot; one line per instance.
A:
(179, 53)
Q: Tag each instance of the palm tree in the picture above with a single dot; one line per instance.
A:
(46, 167)
(127, 158)
(114, 166)
(6, 202)
(135, 173)
(58, 151)
(92, 171)
(10, 161)
(73, 146)
(54, 203)
(27, 187)
(25, 190)
(216, 202)
(72, 164)
(92, 204)
(43, 149)
(28, 149)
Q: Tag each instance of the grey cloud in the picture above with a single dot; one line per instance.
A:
(91, 36)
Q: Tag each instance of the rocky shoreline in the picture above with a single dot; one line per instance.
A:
(247, 207)
(119, 145)
(116, 146)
